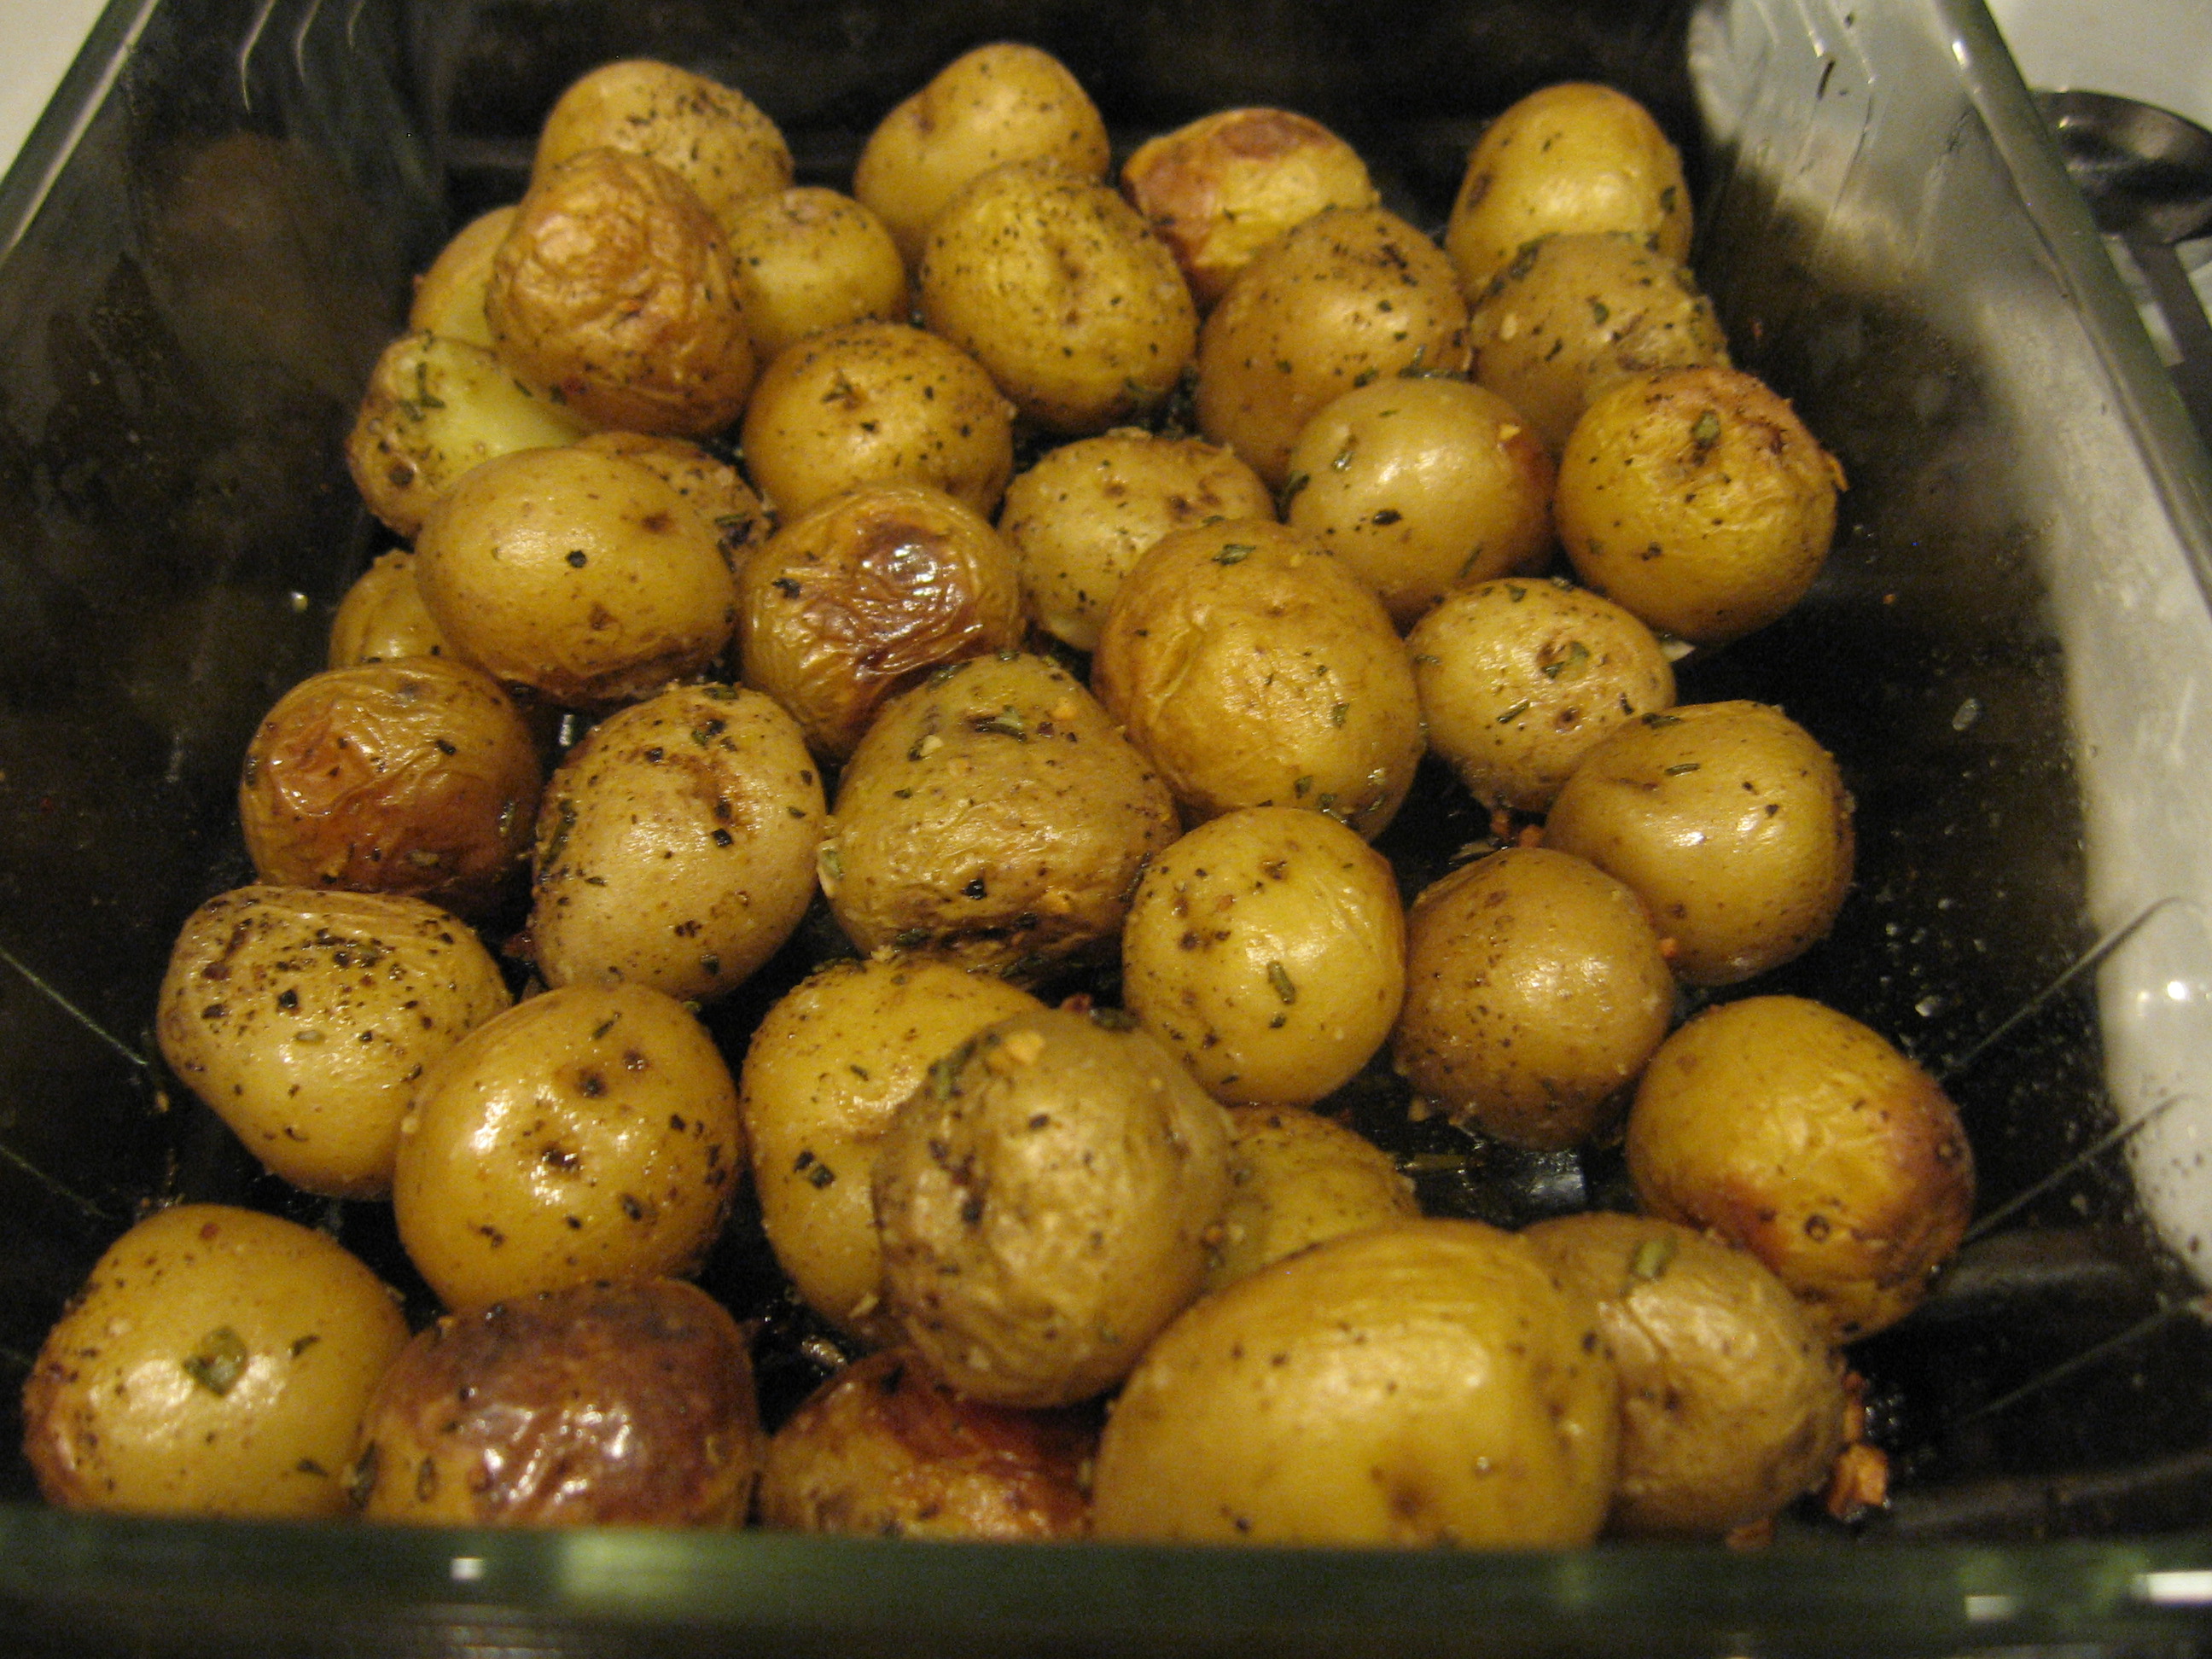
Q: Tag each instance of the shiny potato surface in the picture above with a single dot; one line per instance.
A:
(737, 518)
(1295, 1178)
(382, 617)
(449, 296)
(809, 259)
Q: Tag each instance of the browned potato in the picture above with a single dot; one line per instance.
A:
(809, 258)
(449, 297)
(1803, 1136)
(417, 777)
(884, 1449)
(598, 1404)
(864, 593)
(1297, 1178)
(712, 488)
(382, 617)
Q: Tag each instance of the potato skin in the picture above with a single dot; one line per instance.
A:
(737, 518)
(809, 259)
(303, 1017)
(449, 297)
(1803, 1136)
(382, 617)
(600, 1405)
(1297, 1178)
(1428, 1383)
(215, 1363)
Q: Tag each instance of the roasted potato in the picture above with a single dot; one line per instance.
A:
(1297, 1178)
(808, 260)
(449, 297)
(737, 518)
(382, 617)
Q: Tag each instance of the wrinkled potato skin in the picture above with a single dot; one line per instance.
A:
(114, 1421)
(1084, 516)
(1254, 670)
(1519, 680)
(1350, 297)
(864, 593)
(416, 777)
(993, 815)
(1804, 1136)
(809, 259)
(1220, 190)
(303, 1018)
(1535, 991)
(589, 1133)
(1732, 1402)
(600, 1405)
(1045, 1199)
(449, 297)
(1422, 486)
(823, 1075)
(1571, 158)
(1296, 1179)
(382, 617)
(997, 104)
(737, 518)
(1266, 949)
(1424, 1384)
(877, 403)
(882, 1450)
(1728, 820)
(1696, 499)
(613, 294)
(676, 844)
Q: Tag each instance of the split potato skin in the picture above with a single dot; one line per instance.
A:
(215, 1363)
(382, 617)
(1297, 1178)
(809, 259)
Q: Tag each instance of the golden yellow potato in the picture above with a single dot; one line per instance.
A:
(1266, 949)
(1803, 1136)
(1696, 498)
(1045, 1199)
(600, 1405)
(809, 258)
(737, 518)
(865, 592)
(1055, 285)
(1732, 1402)
(590, 1133)
(1297, 1178)
(1087, 511)
(1223, 187)
(215, 1364)
(877, 403)
(1348, 297)
(303, 1018)
(884, 1449)
(1573, 157)
(1422, 486)
(1520, 679)
(823, 1075)
(1729, 821)
(449, 297)
(676, 844)
(1427, 1383)
(382, 617)
(417, 777)
(1254, 670)
(1000, 103)
(993, 815)
(614, 295)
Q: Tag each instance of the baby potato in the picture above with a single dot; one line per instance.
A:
(382, 617)
(1055, 285)
(1000, 103)
(435, 409)
(416, 777)
(1519, 680)
(1803, 1136)
(215, 1363)
(738, 518)
(1297, 1178)
(590, 1133)
(582, 576)
(1571, 314)
(877, 403)
(1422, 486)
(1427, 1383)
(1254, 670)
(823, 1075)
(1223, 187)
(993, 815)
(1731, 824)
(809, 258)
(1696, 498)
(598, 1405)
(884, 1449)
(862, 595)
(449, 297)
(1088, 510)
(676, 844)
(614, 295)
(1348, 297)
(1266, 949)
(1573, 157)
(1535, 991)
(1045, 1200)
(302, 1018)
(1732, 1402)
